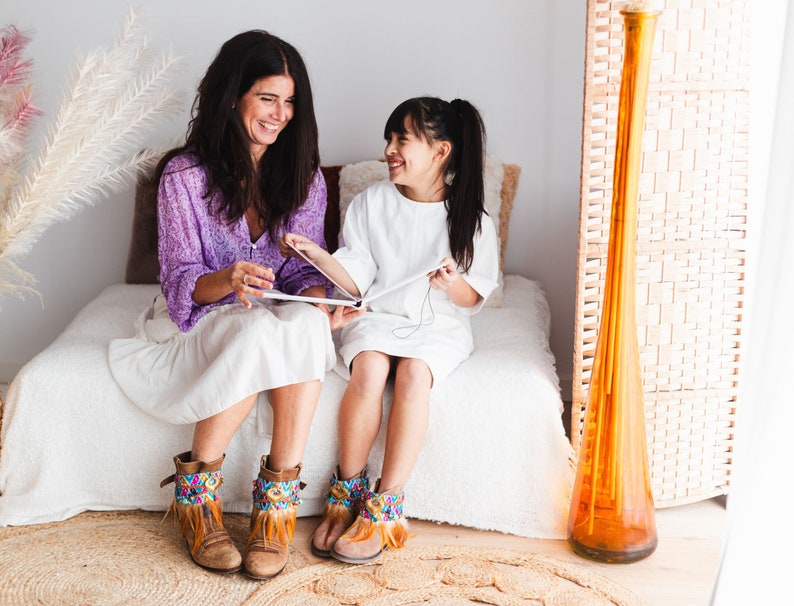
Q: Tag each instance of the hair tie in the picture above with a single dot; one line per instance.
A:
(455, 105)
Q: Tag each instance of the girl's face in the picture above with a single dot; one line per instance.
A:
(265, 111)
(416, 166)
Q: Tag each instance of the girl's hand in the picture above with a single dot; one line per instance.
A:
(300, 247)
(249, 279)
(446, 276)
(454, 285)
(305, 247)
(342, 315)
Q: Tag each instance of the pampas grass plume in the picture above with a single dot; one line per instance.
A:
(114, 98)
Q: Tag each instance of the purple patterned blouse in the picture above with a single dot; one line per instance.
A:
(193, 241)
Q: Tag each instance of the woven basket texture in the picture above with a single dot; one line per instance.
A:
(691, 245)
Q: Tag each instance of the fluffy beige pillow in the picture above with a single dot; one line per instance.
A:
(499, 183)
(355, 178)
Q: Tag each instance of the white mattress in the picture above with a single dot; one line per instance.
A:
(495, 456)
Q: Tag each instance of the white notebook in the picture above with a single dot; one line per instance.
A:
(349, 300)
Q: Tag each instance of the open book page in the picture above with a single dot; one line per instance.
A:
(348, 300)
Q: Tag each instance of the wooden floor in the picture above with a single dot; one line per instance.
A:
(680, 572)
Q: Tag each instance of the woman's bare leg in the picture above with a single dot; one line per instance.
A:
(211, 436)
(293, 411)
(361, 410)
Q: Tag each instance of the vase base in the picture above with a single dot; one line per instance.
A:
(625, 556)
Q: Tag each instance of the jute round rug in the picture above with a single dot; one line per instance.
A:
(115, 558)
(446, 576)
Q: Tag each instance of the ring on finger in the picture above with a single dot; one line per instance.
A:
(245, 279)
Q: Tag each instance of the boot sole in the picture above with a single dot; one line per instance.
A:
(220, 570)
(262, 577)
(348, 560)
(320, 553)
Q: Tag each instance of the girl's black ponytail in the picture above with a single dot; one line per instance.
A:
(466, 190)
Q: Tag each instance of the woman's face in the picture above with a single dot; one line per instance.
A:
(265, 110)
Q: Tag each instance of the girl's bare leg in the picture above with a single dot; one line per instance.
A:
(407, 422)
(361, 410)
(366, 538)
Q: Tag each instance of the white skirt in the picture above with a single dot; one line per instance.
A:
(231, 353)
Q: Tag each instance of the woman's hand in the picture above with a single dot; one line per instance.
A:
(250, 279)
(244, 279)
(342, 315)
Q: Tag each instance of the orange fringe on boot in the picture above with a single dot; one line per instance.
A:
(191, 517)
(337, 515)
(276, 524)
(393, 534)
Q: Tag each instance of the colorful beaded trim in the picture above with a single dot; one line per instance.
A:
(276, 495)
(346, 492)
(379, 507)
(196, 488)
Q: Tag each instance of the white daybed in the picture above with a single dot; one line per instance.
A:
(495, 456)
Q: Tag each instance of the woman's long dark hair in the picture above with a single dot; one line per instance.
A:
(281, 181)
(459, 123)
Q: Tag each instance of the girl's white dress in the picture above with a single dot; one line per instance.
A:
(387, 238)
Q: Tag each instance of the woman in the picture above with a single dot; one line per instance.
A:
(248, 172)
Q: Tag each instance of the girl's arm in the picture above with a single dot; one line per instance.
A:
(321, 258)
(483, 275)
(458, 290)
(297, 278)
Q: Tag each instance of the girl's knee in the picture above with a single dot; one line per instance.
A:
(369, 371)
(370, 362)
(414, 370)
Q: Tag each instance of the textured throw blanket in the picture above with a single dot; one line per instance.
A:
(495, 456)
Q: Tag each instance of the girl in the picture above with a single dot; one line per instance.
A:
(429, 212)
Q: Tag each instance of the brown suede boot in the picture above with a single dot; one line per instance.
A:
(198, 509)
(342, 502)
(380, 525)
(272, 520)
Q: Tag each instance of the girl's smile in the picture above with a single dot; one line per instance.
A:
(416, 166)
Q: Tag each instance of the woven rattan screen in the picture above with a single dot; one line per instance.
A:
(691, 233)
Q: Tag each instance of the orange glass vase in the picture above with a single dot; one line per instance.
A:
(612, 517)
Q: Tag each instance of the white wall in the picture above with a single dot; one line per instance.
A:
(520, 62)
